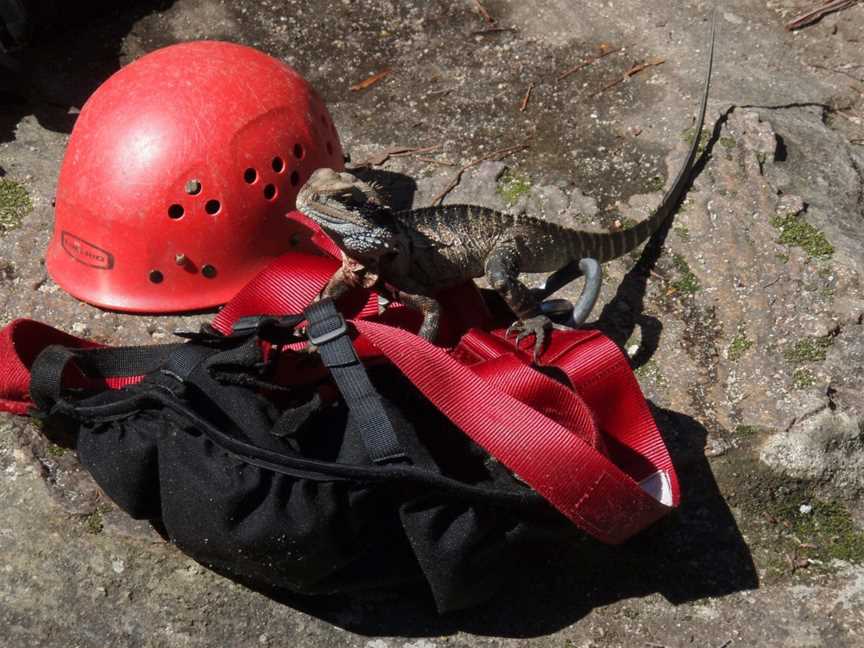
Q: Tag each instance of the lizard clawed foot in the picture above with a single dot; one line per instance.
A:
(536, 326)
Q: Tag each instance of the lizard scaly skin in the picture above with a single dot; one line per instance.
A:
(414, 254)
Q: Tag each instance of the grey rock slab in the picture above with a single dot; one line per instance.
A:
(709, 309)
(821, 445)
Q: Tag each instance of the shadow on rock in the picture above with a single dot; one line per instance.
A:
(398, 188)
(70, 52)
(695, 553)
(626, 309)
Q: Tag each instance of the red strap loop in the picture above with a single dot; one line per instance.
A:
(558, 462)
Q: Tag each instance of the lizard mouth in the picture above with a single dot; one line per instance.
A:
(322, 216)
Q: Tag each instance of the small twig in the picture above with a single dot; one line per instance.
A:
(771, 283)
(412, 151)
(370, 81)
(839, 71)
(494, 155)
(726, 644)
(586, 63)
(398, 151)
(492, 30)
(814, 15)
(526, 98)
(636, 69)
(840, 112)
(483, 12)
(423, 158)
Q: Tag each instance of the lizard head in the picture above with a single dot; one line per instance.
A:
(350, 211)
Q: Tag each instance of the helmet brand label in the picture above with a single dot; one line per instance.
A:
(85, 252)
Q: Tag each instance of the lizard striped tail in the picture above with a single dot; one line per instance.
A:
(606, 246)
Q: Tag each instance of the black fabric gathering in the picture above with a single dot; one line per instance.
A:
(312, 511)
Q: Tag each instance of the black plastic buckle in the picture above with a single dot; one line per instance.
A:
(319, 338)
(249, 325)
(277, 330)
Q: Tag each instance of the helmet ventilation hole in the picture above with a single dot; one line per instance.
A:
(329, 148)
(193, 187)
(270, 191)
(295, 178)
(156, 277)
(175, 211)
(298, 151)
(250, 175)
(208, 271)
(278, 164)
(212, 207)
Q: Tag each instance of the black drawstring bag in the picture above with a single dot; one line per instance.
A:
(282, 488)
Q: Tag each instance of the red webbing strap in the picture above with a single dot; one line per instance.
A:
(20, 343)
(288, 285)
(603, 377)
(541, 430)
(291, 282)
(558, 463)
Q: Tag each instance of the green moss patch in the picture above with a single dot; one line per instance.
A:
(14, 204)
(821, 532)
(55, 451)
(94, 522)
(690, 134)
(651, 372)
(796, 232)
(727, 142)
(791, 531)
(656, 183)
(802, 378)
(512, 186)
(812, 349)
(625, 223)
(739, 345)
(687, 282)
(752, 430)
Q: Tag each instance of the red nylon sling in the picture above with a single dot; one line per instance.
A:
(585, 450)
(557, 461)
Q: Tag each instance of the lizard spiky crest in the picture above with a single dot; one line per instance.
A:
(350, 211)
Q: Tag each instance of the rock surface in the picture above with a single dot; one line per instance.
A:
(744, 319)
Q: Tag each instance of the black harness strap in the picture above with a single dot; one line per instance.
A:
(328, 331)
(46, 374)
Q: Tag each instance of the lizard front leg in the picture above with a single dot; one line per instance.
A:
(429, 307)
(502, 272)
(413, 295)
(351, 274)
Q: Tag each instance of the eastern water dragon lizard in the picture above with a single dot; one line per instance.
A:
(413, 254)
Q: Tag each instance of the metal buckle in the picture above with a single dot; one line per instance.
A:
(323, 338)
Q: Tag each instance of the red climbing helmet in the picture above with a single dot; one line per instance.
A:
(179, 173)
